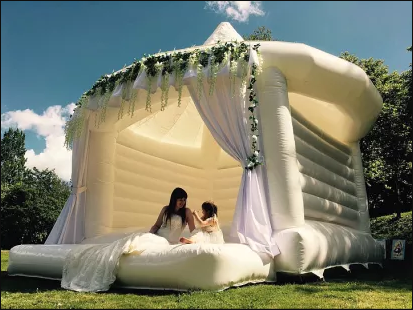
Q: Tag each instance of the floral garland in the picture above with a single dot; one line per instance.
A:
(254, 159)
(236, 54)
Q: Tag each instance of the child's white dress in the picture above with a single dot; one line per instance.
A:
(209, 234)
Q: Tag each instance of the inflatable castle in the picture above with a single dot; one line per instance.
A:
(268, 130)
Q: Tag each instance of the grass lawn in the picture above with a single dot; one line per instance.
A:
(376, 288)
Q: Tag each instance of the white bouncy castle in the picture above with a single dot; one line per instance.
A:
(269, 131)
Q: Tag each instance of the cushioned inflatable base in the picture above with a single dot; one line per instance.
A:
(173, 267)
(317, 246)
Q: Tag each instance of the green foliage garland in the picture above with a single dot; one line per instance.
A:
(176, 64)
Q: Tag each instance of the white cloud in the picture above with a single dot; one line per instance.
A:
(50, 126)
(236, 10)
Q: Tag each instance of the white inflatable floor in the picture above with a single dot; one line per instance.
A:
(176, 267)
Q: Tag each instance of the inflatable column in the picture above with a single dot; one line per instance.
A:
(284, 189)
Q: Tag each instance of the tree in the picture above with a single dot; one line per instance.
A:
(408, 82)
(31, 200)
(260, 34)
(12, 156)
(386, 149)
(30, 209)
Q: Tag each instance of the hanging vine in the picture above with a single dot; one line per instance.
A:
(176, 64)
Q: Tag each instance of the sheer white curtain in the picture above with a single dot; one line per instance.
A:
(227, 118)
(70, 225)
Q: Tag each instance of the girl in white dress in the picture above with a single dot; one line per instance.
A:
(174, 217)
(210, 231)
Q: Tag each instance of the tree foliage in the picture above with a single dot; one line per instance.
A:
(387, 148)
(260, 34)
(12, 156)
(31, 201)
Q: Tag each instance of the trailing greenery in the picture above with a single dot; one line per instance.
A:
(236, 55)
(253, 160)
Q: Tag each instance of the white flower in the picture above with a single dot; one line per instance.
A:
(253, 105)
(250, 164)
(254, 137)
(256, 121)
(256, 153)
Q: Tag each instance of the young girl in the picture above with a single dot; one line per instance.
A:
(210, 231)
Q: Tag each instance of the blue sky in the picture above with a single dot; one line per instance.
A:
(51, 52)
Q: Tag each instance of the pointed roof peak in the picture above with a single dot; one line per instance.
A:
(224, 32)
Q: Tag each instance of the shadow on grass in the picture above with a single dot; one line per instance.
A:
(19, 284)
(144, 292)
(16, 284)
(394, 276)
(383, 286)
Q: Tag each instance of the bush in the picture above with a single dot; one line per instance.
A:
(389, 227)
(30, 209)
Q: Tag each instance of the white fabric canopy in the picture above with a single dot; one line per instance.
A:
(70, 225)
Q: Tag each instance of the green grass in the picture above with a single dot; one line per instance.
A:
(375, 288)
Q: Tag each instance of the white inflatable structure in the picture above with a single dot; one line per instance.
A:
(313, 110)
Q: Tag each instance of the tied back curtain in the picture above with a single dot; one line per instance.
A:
(226, 115)
(70, 225)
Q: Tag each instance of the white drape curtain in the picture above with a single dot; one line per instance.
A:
(70, 225)
(227, 118)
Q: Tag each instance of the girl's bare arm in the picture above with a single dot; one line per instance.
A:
(158, 222)
(202, 223)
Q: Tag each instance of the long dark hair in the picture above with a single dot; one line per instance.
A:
(210, 209)
(177, 193)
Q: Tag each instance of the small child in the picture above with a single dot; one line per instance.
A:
(210, 231)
